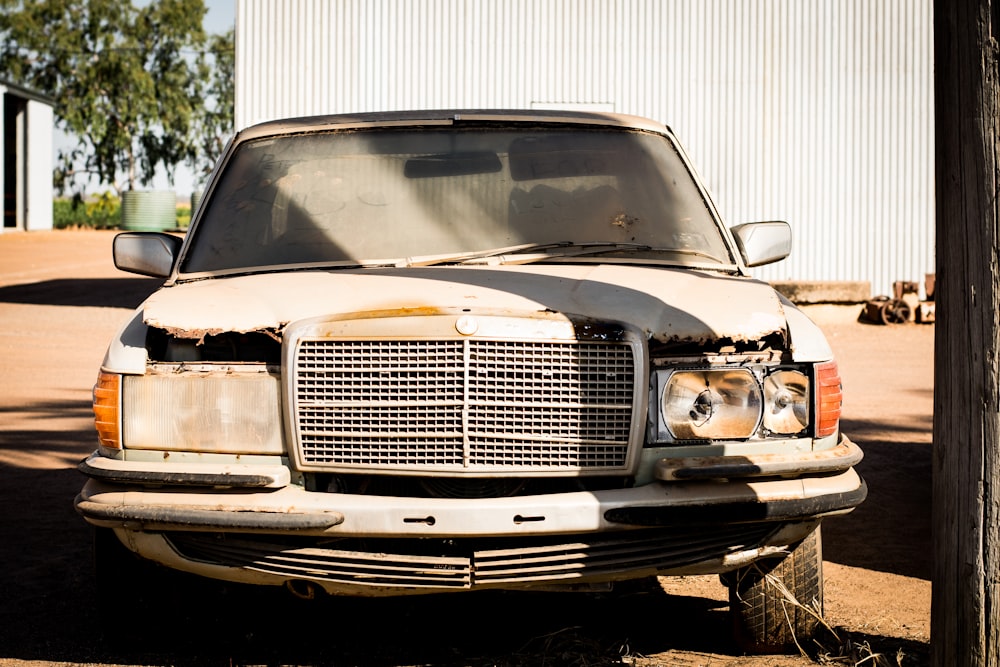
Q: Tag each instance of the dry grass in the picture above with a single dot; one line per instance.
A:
(835, 650)
(568, 647)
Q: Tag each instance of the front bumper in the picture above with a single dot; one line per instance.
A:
(302, 512)
(239, 501)
(249, 525)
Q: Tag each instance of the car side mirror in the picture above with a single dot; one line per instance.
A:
(763, 242)
(146, 253)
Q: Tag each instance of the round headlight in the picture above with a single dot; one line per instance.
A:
(712, 404)
(786, 399)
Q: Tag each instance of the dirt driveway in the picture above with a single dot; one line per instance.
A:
(61, 299)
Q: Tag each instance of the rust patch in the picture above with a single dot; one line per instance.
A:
(667, 344)
(199, 335)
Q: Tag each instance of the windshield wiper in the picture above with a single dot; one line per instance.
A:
(586, 249)
(470, 257)
(693, 253)
(534, 252)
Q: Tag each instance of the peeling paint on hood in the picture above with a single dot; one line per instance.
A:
(670, 305)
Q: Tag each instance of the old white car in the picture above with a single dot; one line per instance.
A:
(443, 351)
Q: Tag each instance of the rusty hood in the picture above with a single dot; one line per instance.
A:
(669, 305)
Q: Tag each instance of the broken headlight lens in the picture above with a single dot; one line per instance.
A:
(202, 412)
(716, 404)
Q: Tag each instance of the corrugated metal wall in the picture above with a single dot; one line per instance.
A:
(819, 112)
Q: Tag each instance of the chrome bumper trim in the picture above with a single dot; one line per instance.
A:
(837, 459)
(251, 476)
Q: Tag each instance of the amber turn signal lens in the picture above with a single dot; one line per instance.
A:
(106, 395)
(829, 398)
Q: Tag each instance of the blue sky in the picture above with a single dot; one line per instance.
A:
(221, 15)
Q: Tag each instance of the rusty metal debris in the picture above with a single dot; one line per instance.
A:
(905, 304)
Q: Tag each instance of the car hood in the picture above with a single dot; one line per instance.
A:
(669, 305)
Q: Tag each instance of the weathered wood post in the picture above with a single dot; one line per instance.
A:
(965, 612)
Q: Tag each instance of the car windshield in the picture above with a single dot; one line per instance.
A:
(456, 193)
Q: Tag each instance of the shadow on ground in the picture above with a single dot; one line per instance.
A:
(101, 292)
(890, 531)
(228, 625)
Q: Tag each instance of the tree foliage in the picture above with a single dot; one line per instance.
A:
(129, 82)
(216, 68)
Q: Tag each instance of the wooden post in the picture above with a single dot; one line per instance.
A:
(965, 612)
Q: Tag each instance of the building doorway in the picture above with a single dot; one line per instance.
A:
(15, 114)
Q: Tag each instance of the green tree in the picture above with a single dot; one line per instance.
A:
(214, 125)
(124, 79)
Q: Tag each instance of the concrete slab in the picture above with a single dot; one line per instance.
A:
(826, 291)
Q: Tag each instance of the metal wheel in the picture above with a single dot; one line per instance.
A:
(895, 311)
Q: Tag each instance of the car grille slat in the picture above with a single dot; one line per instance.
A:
(601, 557)
(464, 405)
(330, 565)
(476, 565)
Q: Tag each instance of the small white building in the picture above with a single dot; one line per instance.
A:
(26, 119)
(818, 112)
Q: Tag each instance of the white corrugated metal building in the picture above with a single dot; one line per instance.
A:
(26, 119)
(819, 112)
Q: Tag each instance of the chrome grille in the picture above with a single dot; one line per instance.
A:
(464, 404)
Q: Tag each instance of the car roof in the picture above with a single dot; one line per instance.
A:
(447, 117)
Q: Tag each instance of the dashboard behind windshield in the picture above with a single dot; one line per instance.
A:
(387, 194)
